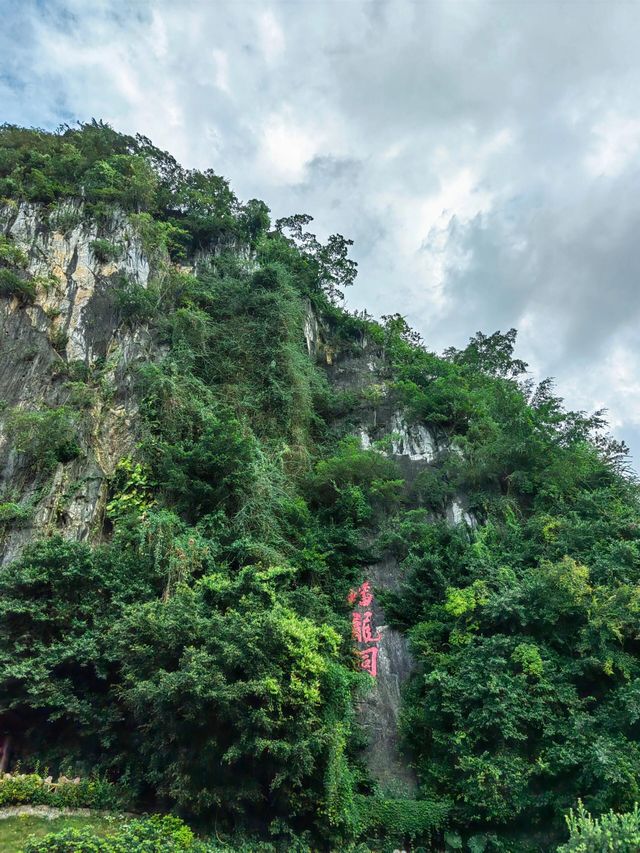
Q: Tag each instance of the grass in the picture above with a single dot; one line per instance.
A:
(14, 831)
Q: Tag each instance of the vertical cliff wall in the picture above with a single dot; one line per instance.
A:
(382, 425)
(68, 341)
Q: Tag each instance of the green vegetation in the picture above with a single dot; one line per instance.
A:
(33, 789)
(11, 255)
(600, 835)
(525, 632)
(14, 831)
(173, 208)
(11, 512)
(413, 820)
(45, 437)
(201, 655)
(13, 279)
(105, 251)
(14, 284)
(168, 834)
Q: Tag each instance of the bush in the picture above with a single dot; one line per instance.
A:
(58, 339)
(610, 831)
(13, 512)
(105, 251)
(10, 254)
(33, 789)
(136, 303)
(65, 218)
(12, 284)
(353, 483)
(157, 237)
(152, 835)
(69, 841)
(402, 819)
(45, 437)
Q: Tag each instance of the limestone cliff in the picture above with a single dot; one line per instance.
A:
(72, 329)
(415, 447)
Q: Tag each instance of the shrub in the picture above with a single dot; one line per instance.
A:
(131, 490)
(45, 437)
(610, 831)
(65, 218)
(158, 237)
(105, 251)
(69, 841)
(10, 254)
(402, 819)
(81, 395)
(135, 302)
(151, 835)
(353, 482)
(33, 789)
(58, 339)
(12, 284)
(13, 512)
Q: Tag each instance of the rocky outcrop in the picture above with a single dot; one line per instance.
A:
(379, 709)
(70, 341)
(384, 428)
(312, 335)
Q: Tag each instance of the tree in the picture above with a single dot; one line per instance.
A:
(236, 693)
(334, 269)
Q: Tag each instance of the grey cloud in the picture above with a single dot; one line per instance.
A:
(573, 258)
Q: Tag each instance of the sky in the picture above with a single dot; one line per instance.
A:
(483, 156)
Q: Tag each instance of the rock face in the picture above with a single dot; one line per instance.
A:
(384, 428)
(379, 710)
(73, 329)
(415, 441)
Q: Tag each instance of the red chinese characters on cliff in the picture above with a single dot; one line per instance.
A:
(362, 627)
(369, 660)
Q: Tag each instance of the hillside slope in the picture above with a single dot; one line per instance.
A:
(277, 566)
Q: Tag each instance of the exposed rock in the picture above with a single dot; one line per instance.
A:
(414, 441)
(457, 514)
(74, 319)
(365, 439)
(379, 710)
(311, 331)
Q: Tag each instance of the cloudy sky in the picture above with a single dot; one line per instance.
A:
(484, 156)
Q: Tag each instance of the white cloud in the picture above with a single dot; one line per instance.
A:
(483, 156)
(271, 36)
(286, 148)
(221, 70)
(616, 142)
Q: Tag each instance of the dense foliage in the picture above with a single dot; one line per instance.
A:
(527, 630)
(201, 655)
(604, 834)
